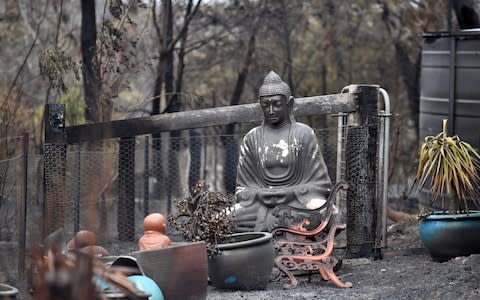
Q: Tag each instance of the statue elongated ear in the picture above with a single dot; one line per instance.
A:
(290, 101)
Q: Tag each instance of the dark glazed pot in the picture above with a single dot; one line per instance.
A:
(244, 262)
(8, 292)
(451, 235)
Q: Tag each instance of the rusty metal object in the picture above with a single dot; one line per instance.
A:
(304, 250)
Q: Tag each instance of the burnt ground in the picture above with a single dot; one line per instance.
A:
(405, 272)
(398, 277)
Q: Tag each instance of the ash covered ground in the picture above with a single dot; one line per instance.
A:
(405, 272)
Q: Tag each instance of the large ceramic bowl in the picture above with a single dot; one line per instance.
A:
(244, 262)
(451, 235)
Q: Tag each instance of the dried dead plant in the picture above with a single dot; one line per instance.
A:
(204, 215)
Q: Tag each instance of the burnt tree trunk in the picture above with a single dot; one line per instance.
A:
(195, 145)
(173, 105)
(410, 71)
(165, 82)
(90, 69)
(229, 141)
(286, 32)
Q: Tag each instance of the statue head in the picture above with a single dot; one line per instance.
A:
(155, 222)
(84, 238)
(275, 100)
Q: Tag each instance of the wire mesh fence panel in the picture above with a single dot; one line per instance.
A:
(90, 176)
(10, 182)
(110, 187)
(20, 205)
(10, 194)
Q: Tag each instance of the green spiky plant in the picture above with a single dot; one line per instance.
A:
(452, 167)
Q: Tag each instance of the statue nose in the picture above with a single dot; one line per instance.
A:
(270, 109)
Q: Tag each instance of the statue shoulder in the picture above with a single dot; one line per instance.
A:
(304, 129)
(252, 132)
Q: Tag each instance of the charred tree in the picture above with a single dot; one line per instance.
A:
(164, 85)
(90, 70)
(229, 142)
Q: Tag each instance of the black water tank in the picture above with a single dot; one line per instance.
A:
(436, 81)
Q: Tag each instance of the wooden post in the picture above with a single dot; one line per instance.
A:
(361, 154)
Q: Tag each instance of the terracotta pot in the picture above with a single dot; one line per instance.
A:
(8, 292)
(451, 235)
(244, 262)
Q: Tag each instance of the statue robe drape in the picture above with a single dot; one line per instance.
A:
(304, 181)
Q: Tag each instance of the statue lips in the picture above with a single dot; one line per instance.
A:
(273, 118)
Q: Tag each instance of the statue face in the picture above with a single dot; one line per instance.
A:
(275, 109)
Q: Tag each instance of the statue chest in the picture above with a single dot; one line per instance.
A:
(277, 156)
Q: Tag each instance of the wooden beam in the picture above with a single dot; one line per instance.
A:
(246, 113)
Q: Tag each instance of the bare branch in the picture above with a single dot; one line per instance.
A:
(20, 69)
(186, 21)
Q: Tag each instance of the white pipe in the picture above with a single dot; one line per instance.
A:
(340, 139)
(340, 146)
(386, 115)
(380, 179)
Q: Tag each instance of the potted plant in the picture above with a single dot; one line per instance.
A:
(450, 166)
(241, 261)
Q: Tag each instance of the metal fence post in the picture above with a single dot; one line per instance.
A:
(55, 156)
(361, 155)
(22, 214)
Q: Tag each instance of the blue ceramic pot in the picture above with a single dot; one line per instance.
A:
(244, 262)
(147, 285)
(450, 235)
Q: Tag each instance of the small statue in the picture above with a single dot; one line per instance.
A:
(154, 227)
(280, 163)
(85, 241)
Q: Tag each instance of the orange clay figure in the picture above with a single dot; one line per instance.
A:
(85, 241)
(154, 227)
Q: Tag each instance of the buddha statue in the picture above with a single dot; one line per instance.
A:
(154, 237)
(280, 163)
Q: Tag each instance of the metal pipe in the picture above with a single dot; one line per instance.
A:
(340, 123)
(146, 177)
(340, 147)
(386, 115)
(452, 85)
(22, 209)
(380, 203)
(340, 127)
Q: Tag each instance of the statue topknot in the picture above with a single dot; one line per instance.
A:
(273, 85)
